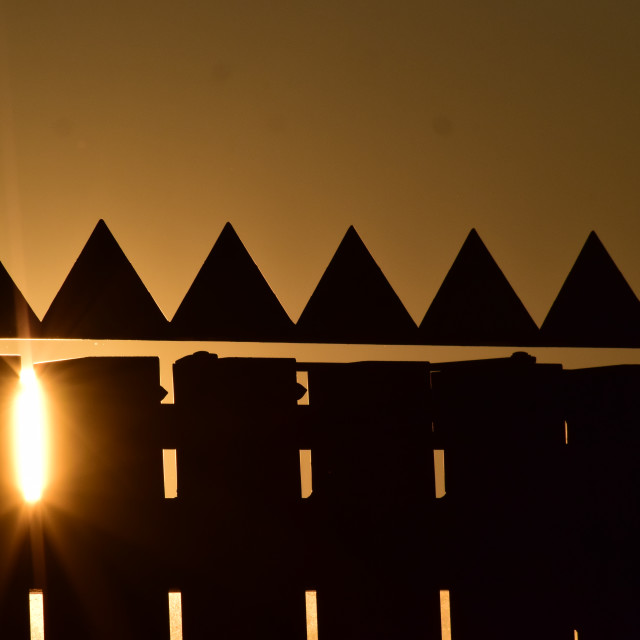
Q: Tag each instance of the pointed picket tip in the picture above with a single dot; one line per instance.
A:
(354, 302)
(476, 305)
(17, 319)
(230, 299)
(595, 307)
(103, 297)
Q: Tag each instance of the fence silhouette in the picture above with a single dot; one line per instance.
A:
(229, 300)
(535, 537)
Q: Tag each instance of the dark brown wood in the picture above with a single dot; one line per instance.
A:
(354, 302)
(103, 297)
(476, 305)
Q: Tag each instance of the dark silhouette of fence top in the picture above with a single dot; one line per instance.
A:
(104, 298)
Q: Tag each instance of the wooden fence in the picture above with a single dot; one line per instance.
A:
(531, 533)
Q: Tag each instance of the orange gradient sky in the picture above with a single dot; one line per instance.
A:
(414, 121)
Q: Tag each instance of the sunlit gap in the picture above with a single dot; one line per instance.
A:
(306, 486)
(170, 467)
(445, 614)
(312, 614)
(438, 469)
(175, 615)
(30, 436)
(36, 614)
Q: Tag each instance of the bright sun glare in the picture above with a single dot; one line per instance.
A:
(30, 445)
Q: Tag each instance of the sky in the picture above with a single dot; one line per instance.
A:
(414, 121)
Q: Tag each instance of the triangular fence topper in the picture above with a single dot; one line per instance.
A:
(103, 297)
(596, 307)
(17, 319)
(354, 302)
(230, 299)
(476, 305)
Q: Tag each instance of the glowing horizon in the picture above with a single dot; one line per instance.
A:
(30, 437)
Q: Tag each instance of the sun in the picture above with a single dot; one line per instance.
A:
(30, 436)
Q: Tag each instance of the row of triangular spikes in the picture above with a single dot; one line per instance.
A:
(229, 300)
